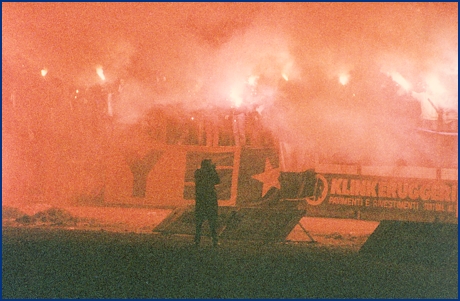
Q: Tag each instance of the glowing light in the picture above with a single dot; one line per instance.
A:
(100, 72)
(236, 98)
(400, 80)
(434, 85)
(44, 71)
(252, 80)
(285, 77)
(344, 78)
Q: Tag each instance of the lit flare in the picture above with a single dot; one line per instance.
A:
(344, 78)
(100, 72)
(400, 80)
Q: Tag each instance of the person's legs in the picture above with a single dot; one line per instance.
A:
(213, 226)
(198, 225)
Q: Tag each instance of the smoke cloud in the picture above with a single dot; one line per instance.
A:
(325, 73)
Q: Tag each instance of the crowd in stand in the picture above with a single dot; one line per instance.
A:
(47, 105)
(173, 124)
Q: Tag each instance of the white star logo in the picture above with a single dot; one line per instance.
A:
(269, 177)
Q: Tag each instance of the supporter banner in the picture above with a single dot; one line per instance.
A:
(258, 172)
(383, 198)
(224, 165)
(164, 176)
(152, 177)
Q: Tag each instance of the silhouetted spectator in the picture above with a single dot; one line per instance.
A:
(211, 127)
(206, 207)
(239, 127)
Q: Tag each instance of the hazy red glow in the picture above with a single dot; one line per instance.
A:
(333, 77)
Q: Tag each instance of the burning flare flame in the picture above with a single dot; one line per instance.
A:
(100, 72)
(344, 78)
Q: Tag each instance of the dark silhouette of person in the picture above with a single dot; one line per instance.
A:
(206, 207)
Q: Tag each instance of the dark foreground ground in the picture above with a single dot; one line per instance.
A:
(58, 263)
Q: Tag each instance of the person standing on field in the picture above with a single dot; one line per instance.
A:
(206, 207)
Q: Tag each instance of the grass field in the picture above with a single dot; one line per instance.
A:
(51, 262)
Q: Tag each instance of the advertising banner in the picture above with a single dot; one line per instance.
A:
(378, 198)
